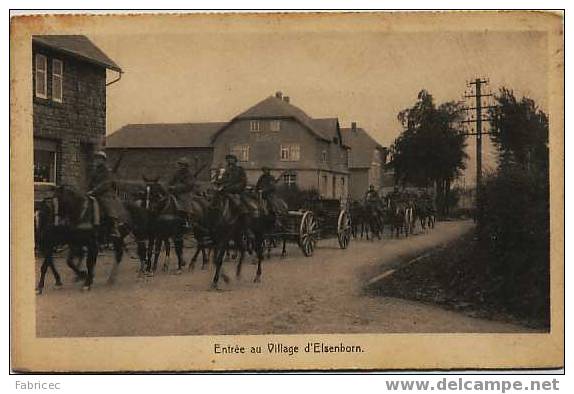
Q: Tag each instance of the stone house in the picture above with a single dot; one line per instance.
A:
(69, 108)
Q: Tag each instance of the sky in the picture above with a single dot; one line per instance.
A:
(363, 76)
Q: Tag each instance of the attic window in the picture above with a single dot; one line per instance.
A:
(255, 126)
(41, 76)
(324, 156)
(335, 140)
(275, 125)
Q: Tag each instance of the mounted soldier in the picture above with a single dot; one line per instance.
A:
(373, 203)
(232, 183)
(102, 187)
(394, 197)
(273, 205)
(181, 186)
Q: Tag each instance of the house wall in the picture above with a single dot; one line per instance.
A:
(77, 125)
(158, 162)
(265, 150)
(359, 182)
(265, 145)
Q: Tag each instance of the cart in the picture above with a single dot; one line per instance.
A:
(333, 219)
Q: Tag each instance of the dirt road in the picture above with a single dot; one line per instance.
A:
(321, 294)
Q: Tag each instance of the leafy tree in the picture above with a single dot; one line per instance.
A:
(520, 132)
(430, 150)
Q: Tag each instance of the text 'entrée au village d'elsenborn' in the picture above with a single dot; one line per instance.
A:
(280, 348)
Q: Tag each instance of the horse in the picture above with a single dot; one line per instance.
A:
(426, 213)
(165, 223)
(396, 213)
(72, 219)
(230, 223)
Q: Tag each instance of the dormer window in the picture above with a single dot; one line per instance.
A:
(324, 157)
(275, 125)
(254, 126)
(41, 76)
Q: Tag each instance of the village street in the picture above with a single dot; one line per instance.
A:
(321, 294)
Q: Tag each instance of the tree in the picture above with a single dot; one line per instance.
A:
(520, 132)
(430, 150)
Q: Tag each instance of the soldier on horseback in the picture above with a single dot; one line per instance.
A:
(232, 183)
(373, 202)
(266, 186)
(181, 186)
(102, 187)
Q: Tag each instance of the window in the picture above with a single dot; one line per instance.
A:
(45, 161)
(324, 185)
(275, 125)
(41, 76)
(324, 156)
(290, 152)
(241, 151)
(57, 77)
(255, 126)
(290, 179)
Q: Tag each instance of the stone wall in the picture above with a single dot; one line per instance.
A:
(78, 123)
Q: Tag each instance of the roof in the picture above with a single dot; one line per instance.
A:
(78, 46)
(276, 108)
(362, 146)
(164, 135)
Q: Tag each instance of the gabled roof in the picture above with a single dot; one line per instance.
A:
(362, 147)
(164, 135)
(276, 108)
(77, 46)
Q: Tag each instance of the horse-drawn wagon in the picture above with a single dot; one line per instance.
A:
(318, 218)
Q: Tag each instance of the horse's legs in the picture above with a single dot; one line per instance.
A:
(141, 250)
(284, 250)
(118, 244)
(167, 256)
(156, 251)
(240, 262)
(204, 256)
(150, 250)
(91, 263)
(178, 243)
(218, 260)
(76, 252)
(259, 250)
(47, 257)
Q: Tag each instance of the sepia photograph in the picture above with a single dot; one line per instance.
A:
(287, 191)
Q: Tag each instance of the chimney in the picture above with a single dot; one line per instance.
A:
(278, 94)
(286, 99)
(354, 127)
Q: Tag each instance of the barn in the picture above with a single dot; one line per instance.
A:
(153, 149)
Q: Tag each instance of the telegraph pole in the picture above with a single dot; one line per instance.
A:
(478, 119)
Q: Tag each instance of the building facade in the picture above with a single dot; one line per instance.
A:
(367, 161)
(303, 151)
(69, 109)
(153, 149)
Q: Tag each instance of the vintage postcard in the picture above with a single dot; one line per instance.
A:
(287, 191)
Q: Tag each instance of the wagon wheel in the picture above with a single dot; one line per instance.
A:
(344, 229)
(308, 233)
